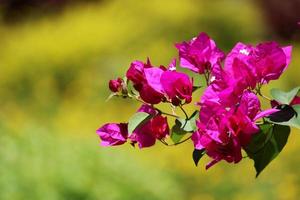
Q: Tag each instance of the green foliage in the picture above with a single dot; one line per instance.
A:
(39, 165)
(197, 155)
(294, 121)
(284, 113)
(177, 133)
(267, 144)
(284, 97)
(189, 125)
(184, 126)
(195, 88)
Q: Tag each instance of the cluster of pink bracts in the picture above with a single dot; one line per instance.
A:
(229, 107)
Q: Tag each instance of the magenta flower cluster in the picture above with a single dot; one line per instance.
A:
(229, 111)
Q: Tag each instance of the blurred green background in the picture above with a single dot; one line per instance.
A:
(56, 60)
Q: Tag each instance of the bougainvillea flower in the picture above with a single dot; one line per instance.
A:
(200, 54)
(113, 134)
(146, 80)
(177, 86)
(143, 136)
(115, 85)
(259, 64)
(156, 128)
(150, 95)
(241, 52)
(223, 88)
(228, 149)
(157, 83)
(153, 76)
(243, 73)
(270, 60)
(135, 73)
(223, 131)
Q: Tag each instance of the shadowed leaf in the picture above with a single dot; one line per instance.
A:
(267, 144)
(197, 155)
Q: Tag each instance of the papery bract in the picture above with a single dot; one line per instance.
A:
(259, 64)
(200, 54)
(224, 130)
(270, 60)
(146, 79)
(135, 73)
(223, 88)
(177, 86)
(112, 134)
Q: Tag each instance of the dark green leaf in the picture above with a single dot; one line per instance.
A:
(195, 115)
(267, 144)
(284, 97)
(196, 88)
(137, 120)
(284, 114)
(294, 121)
(197, 155)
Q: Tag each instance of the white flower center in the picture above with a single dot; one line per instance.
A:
(172, 68)
(244, 51)
(212, 78)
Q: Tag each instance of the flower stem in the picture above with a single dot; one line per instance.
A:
(177, 143)
(258, 91)
(171, 115)
(164, 113)
(186, 115)
(206, 76)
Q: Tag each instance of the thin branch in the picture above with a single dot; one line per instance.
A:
(206, 76)
(174, 144)
(186, 139)
(140, 100)
(164, 142)
(186, 115)
(164, 113)
(265, 97)
(258, 91)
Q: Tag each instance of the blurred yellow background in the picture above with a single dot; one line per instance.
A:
(53, 84)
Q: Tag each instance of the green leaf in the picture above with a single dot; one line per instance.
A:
(294, 121)
(267, 144)
(189, 125)
(285, 113)
(137, 120)
(284, 97)
(197, 155)
(177, 133)
(184, 126)
(196, 88)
